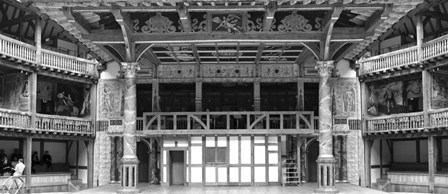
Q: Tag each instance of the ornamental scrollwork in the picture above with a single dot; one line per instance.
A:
(325, 67)
(254, 26)
(228, 71)
(130, 69)
(158, 24)
(232, 23)
(199, 26)
(294, 23)
(176, 71)
(273, 71)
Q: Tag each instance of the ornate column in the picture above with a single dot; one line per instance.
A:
(325, 161)
(129, 161)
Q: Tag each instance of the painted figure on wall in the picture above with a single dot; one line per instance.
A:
(65, 105)
(86, 103)
(344, 97)
(389, 99)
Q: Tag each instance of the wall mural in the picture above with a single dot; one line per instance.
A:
(72, 100)
(439, 92)
(345, 98)
(110, 98)
(16, 92)
(393, 97)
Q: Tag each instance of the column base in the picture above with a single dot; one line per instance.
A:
(325, 173)
(129, 176)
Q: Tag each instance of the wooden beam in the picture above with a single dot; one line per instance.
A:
(436, 15)
(126, 30)
(328, 24)
(82, 25)
(378, 17)
(111, 55)
(184, 17)
(355, 34)
(269, 16)
(18, 20)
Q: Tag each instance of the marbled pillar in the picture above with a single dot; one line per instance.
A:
(129, 160)
(257, 98)
(325, 161)
(198, 97)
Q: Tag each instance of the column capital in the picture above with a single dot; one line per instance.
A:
(324, 67)
(130, 69)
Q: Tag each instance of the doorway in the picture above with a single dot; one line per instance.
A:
(143, 165)
(177, 168)
(312, 154)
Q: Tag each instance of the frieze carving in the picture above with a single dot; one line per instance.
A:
(110, 99)
(199, 24)
(296, 23)
(176, 71)
(325, 67)
(228, 71)
(286, 70)
(345, 98)
(156, 24)
(254, 24)
(231, 23)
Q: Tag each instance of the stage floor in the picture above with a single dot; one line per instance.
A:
(306, 188)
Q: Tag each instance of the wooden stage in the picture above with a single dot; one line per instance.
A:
(306, 188)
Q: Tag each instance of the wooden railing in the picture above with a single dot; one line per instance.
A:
(291, 120)
(53, 60)
(14, 119)
(397, 122)
(403, 57)
(438, 118)
(54, 123)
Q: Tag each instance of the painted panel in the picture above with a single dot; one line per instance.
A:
(273, 158)
(273, 148)
(168, 143)
(260, 174)
(234, 174)
(245, 150)
(222, 174)
(259, 139)
(196, 140)
(233, 148)
(210, 142)
(164, 174)
(246, 176)
(196, 174)
(439, 92)
(196, 154)
(273, 174)
(210, 174)
(110, 98)
(222, 141)
(345, 97)
(164, 157)
(182, 144)
(272, 139)
(259, 154)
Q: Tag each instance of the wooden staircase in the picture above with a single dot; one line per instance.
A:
(290, 173)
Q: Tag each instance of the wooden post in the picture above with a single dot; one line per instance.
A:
(90, 164)
(364, 105)
(198, 96)
(38, 41)
(32, 84)
(155, 96)
(432, 161)
(257, 98)
(300, 141)
(426, 90)
(381, 158)
(367, 152)
(419, 31)
(300, 96)
(93, 105)
(27, 160)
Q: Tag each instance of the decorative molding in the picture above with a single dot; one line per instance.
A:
(228, 71)
(156, 24)
(176, 71)
(285, 70)
(254, 24)
(199, 24)
(130, 69)
(296, 23)
(311, 72)
(231, 23)
(110, 99)
(325, 67)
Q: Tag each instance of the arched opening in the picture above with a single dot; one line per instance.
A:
(312, 151)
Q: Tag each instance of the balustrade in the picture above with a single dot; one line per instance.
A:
(292, 120)
(398, 122)
(438, 118)
(60, 62)
(15, 119)
(53, 123)
(403, 57)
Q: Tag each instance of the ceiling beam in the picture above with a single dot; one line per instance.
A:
(126, 31)
(436, 15)
(269, 16)
(328, 24)
(18, 20)
(184, 17)
(355, 34)
(82, 25)
(378, 17)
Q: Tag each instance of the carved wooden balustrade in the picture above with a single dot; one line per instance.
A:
(62, 124)
(227, 123)
(24, 53)
(438, 118)
(397, 122)
(404, 57)
(14, 119)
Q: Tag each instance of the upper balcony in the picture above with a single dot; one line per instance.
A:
(224, 123)
(26, 54)
(431, 51)
(20, 121)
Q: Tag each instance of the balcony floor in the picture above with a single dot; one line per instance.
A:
(306, 188)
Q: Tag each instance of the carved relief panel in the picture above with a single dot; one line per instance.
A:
(345, 97)
(228, 71)
(176, 71)
(278, 71)
(110, 99)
